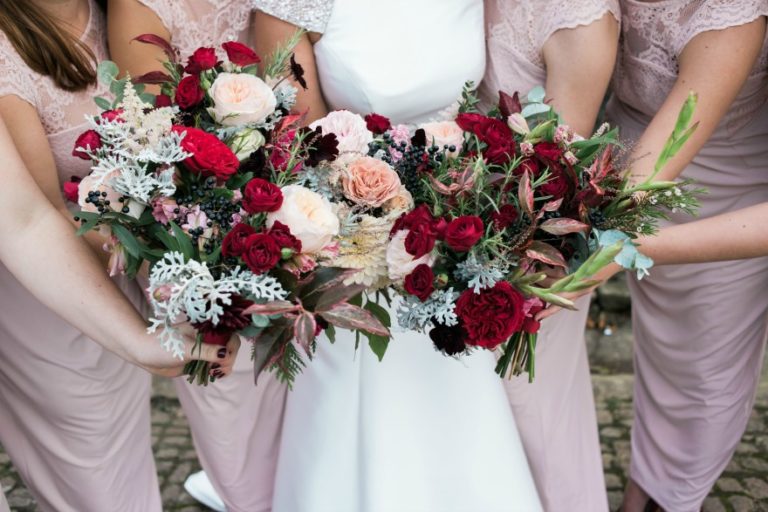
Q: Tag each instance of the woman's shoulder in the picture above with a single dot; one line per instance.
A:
(17, 78)
(311, 15)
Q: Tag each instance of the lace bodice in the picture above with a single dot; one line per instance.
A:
(196, 23)
(311, 15)
(654, 35)
(62, 113)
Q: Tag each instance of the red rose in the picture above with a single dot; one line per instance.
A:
(494, 133)
(235, 242)
(419, 215)
(262, 253)
(210, 156)
(202, 60)
(529, 164)
(262, 196)
(112, 115)
(491, 316)
(377, 124)
(284, 238)
(163, 100)
(548, 151)
(88, 140)
(468, 121)
(505, 217)
(420, 240)
(557, 185)
(232, 320)
(420, 282)
(464, 232)
(71, 189)
(189, 93)
(240, 54)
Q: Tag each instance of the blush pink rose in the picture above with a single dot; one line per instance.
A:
(350, 130)
(370, 182)
(445, 133)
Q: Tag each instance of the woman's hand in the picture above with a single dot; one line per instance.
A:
(148, 354)
(601, 277)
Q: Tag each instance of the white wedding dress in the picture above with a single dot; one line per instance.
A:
(418, 432)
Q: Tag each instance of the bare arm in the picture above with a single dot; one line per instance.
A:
(73, 283)
(128, 19)
(28, 135)
(271, 32)
(735, 49)
(579, 65)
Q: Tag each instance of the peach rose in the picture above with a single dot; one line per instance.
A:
(350, 129)
(402, 202)
(445, 133)
(370, 182)
(309, 216)
(240, 98)
(399, 262)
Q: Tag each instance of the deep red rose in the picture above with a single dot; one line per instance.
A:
(557, 185)
(377, 124)
(235, 242)
(260, 196)
(189, 93)
(505, 217)
(419, 215)
(494, 133)
(529, 164)
(71, 189)
(232, 320)
(491, 316)
(284, 238)
(210, 156)
(262, 253)
(240, 54)
(89, 139)
(112, 115)
(464, 232)
(548, 151)
(202, 60)
(420, 240)
(468, 121)
(420, 282)
(163, 100)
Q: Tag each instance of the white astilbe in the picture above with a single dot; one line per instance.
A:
(412, 314)
(182, 289)
(478, 273)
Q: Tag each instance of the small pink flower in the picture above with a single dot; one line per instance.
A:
(563, 134)
(400, 133)
(117, 260)
(164, 210)
(196, 218)
(162, 293)
(526, 148)
(570, 158)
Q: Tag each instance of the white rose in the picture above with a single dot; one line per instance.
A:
(240, 98)
(445, 133)
(309, 216)
(246, 142)
(399, 261)
(350, 129)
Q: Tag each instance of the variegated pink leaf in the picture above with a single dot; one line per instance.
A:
(563, 226)
(338, 294)
(304, 330)
(278, 307)
(153, 77)
(348, 316)
(525, 194)
(552, 206)
(546, 254)
(158, 41)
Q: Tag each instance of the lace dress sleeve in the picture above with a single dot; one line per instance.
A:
(564, 14)
(16, 78)
(704, 15)
(311, 15)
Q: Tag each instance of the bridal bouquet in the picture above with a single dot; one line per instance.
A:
(497, 203)
(204, 182)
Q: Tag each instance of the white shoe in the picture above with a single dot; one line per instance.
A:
(200, 487)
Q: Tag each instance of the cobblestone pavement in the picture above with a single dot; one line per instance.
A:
(742, 488)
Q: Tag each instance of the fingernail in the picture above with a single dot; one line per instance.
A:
(222, 353)
(218, 374)
(215, 365)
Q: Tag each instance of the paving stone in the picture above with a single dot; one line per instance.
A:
(613, 481)
(20, 498)
(742, 504)
(613, 295)
(757, 488)
(713, 504)
(614, 499)
(726, 484)
(611, 432)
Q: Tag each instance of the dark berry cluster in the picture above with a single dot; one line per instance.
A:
(218, 209)
(99, 201)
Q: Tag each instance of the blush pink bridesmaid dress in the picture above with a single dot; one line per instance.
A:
(75, 418)
(235, 425)
(556, 413)
(700, 330)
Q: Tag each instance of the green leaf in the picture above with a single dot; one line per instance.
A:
(330, 332)
(129, 241)
(380, 313)
(107, 72)
(238, 181)
(102, 103)
(160, 234)
(537, 94)
(148, 98)
(378, 344)
(117, 87)
(185, 243)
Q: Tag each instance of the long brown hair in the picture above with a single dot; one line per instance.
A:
(46, 46)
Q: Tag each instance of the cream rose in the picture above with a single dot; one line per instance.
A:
(309, 216)
(240, 98)
(445, 133)
(402, 202)
(370, 182)
(399, 262)
(350, 129)
(246, 142)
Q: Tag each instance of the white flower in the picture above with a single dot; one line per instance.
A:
(241, 98)
(246, 142)
(309, 216)
(350, 129)
(399, 261)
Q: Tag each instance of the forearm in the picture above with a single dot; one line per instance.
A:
(734, 235)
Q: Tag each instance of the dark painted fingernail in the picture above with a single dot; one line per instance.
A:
(215, 365)
(222, 353)
(218, 374)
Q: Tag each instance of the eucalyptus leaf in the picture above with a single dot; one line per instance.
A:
(102, 103)
(533, 109)
(537, 94)
(107, 72)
